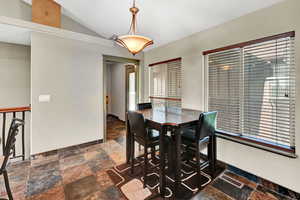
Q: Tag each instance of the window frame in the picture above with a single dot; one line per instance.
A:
(239, 138)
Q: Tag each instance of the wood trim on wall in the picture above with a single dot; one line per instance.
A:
(16, 109)
(166, 98)
(243, 44)
(166, 61)
(46, 12)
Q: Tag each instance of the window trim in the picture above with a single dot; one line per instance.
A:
(238, 138)
(257, 143)
(165, 98)
(243, 44)
(164, 62)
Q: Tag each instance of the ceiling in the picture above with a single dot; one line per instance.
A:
(162, 20)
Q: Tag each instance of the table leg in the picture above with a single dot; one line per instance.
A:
(177, 162)
(212, 155)
(214, 143)
(162, 171)
(128, 143)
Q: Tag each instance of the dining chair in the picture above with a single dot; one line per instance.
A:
(143, 106)
(195, 138)
(8, 150)
(146, 137)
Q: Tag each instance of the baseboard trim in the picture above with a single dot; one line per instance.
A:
(114, 116)
(86, 144)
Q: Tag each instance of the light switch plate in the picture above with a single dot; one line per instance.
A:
(44, 98)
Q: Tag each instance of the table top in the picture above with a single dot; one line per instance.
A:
(172, 116)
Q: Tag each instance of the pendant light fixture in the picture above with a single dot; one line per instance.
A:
(134, 43)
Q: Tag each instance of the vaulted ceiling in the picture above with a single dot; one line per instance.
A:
(162, 20)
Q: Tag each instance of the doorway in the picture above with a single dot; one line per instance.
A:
(121, 90)
(131, 87)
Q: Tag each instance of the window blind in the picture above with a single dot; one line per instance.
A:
(158, 81)
(174, 79)
(165, 79)
(225, 87)
(253, 89)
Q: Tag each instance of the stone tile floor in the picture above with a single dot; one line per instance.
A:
(115, 128)
(79, 173)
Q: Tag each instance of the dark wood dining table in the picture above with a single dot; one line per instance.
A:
(172, 120)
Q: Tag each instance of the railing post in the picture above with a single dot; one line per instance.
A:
(14, 111)
(3, 132)
(14, 149)
(23, 136)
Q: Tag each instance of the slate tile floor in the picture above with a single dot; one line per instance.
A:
(79, 173)
(115, 128)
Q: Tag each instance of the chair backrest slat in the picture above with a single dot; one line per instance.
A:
(207, 125)
(137, 124)
(142, 106)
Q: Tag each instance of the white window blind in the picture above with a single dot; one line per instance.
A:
(158, 81)
(253, 89)
(225, 88)
(174, 79)
(165, 79)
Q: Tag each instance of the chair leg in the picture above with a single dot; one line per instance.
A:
(188, 154)
(146, 164)
(198, 166)
(153, 154)
(9, 194)
(132, 156)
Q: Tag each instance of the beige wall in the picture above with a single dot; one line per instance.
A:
(71, 72)
(71, 25)
(14, 75)
(108, 82)
(118, 90)
(16, 9)
(280, 18)
(20, 10)
(15, 85)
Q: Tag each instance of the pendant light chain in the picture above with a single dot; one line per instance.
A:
(133, 27)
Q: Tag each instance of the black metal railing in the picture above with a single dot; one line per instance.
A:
(10, 113)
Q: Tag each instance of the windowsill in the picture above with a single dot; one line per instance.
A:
(256, 143)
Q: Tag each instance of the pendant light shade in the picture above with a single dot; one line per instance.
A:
(133, 42)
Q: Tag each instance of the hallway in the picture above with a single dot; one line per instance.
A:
(115, 128)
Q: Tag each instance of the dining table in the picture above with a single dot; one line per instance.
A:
(172, 121)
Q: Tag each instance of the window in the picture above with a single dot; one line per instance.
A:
(252, 86)
(165, 81)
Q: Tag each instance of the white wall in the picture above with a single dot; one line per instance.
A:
(15, 86)
(71, 72)
(279, 18)
(118, 90)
